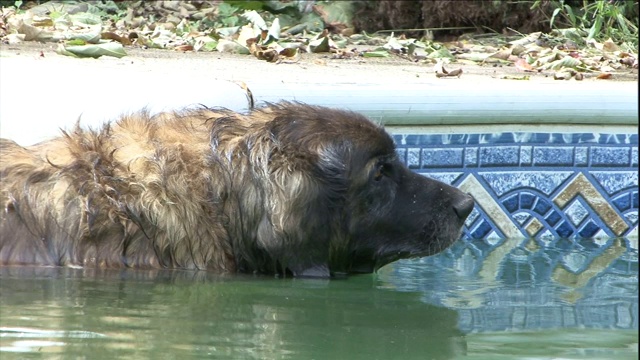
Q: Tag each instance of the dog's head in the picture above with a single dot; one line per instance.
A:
(339, 200)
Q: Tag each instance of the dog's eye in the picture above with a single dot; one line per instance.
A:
(381, 170)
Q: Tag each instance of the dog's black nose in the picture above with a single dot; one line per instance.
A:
(463, 206)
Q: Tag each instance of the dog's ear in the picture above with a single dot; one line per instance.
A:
(296, 229)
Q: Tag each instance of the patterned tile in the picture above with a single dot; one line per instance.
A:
(610, 156)
(553, 155)
(495, 214)
(541, 185)
(502, 182)
(534, 227)
(576, 212)
(580, 185)
(499, 156)
(442, 158)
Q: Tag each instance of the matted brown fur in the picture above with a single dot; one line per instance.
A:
(290, 188)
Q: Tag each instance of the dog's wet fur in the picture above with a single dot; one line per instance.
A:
(287, 189)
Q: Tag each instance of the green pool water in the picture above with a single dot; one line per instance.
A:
(451, 306)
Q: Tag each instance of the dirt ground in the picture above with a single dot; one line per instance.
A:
(312, 68)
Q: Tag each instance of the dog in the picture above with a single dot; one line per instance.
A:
(289, 189)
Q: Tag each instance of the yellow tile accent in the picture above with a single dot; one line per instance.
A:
(580, 185)
(533, 227)
(483, 199)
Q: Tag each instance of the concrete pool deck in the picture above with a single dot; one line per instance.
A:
(38, 83)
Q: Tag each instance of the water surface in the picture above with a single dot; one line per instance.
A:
(489, 300)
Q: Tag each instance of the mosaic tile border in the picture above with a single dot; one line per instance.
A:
(533, 184)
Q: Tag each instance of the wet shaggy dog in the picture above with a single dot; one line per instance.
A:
(287, 189)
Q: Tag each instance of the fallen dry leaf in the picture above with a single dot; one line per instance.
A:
(108, 35)
(289, 52)
(523, 65)
(184, 47)
(604, 76)
(343, 54)
(502, 54)
(262, 52)
(442, 72)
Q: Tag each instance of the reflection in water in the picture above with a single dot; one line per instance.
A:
(527, 284)
(480, 299)
(172, 314)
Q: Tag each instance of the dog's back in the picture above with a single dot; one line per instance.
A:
(97, 197)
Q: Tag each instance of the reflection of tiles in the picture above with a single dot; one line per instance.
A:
(542, 185)
(565, 283)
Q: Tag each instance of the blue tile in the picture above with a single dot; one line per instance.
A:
(555, 155)
(472, 217)
(505, 138)
(617, 139)
(553, 218)
(428, 139)
(589, 230)
(502, 163)
(473, 139)
(609, 139)
(564, 230)
(413, 158)
(525, 155)
(409, 139)
(615, 181)
(539, 138)
(499, 156)
(471, 156)
(401, 153)
(443, 157)
(610, 156)
(587, 138)
(487, 138)
(576, 212)
(542, 206)
(482, 230)
(457, 139)
(527, 201)
(446, 177)
(522, 137)
(544, 181)
(622, 202)
(581, 156)
(512, 203)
